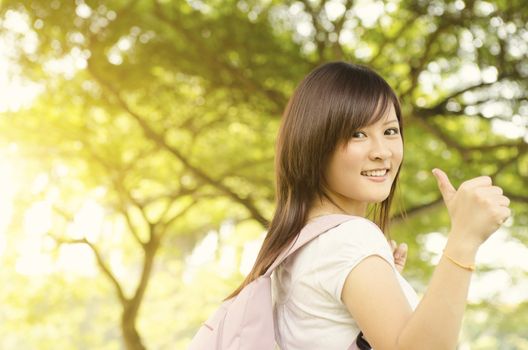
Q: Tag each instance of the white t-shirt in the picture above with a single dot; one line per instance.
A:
(306, 287)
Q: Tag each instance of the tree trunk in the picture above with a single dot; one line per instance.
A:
(130, 334)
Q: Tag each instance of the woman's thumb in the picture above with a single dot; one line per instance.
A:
(446, 188)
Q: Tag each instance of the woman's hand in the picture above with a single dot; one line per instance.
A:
(477, 208)
(400, 255)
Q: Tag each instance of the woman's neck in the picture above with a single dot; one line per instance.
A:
(325, 207)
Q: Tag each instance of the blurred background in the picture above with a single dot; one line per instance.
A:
(137, 143)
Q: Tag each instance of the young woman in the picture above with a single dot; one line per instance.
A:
(340, 151)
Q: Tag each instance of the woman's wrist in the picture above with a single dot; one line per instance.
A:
(461, 249)
(470, 267)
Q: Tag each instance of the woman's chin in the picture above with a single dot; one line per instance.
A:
(377, 199)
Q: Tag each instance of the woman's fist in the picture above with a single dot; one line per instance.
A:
(476, 208)
(400, 254)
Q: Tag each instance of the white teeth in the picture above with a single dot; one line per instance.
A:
(374, 173)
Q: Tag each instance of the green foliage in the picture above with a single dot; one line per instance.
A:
(165, 114)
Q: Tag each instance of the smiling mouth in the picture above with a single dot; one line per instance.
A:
(377, 173)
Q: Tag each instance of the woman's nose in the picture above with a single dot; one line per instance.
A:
(380, 149)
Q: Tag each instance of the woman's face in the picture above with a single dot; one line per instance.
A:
(348, 175)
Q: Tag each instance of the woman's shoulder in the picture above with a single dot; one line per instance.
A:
(345, 243)
(356, 231)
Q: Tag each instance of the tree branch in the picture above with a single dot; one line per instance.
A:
(516, 197)
(101, 263)
(505, 163)
(465, 150)
(415, 211)
(159, 139)
(170, 221)
(440, 107)
(219, 65)
(151, 247)
(417, 68)
(338, 49)
(128, 219)
(314, 14)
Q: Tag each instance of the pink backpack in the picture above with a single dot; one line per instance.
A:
(245, 322)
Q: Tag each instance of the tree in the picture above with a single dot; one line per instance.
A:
(172, 108)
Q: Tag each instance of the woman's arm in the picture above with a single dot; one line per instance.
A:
(373, 295)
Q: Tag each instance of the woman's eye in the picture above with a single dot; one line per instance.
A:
(395, 131)
(357, 133)
(392, 131)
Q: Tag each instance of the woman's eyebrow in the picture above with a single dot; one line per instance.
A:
(390, 121)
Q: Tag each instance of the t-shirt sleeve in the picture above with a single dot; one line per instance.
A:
(343, 248)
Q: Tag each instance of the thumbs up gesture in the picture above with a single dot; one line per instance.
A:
(477, 208)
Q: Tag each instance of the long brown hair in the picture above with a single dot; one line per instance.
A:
(329, 105)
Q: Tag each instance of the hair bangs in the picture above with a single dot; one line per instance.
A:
(360, 108)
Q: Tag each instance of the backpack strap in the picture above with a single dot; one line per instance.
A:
(309, 232)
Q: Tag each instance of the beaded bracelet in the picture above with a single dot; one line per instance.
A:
(470, 267)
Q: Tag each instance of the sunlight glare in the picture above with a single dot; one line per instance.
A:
(499, 251)
(249, 254)
(16, 92)
(37, 222)
(38, 219)
(82, 10)
(334, 9)
(16, 22)
(203, 253)
(40, 183)
(369, 11)
(73, 258)
(227, 262)
(34, 263)
(508, 129)
(77, 259)
(67, 65)
(88, 222)
(7, 192)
